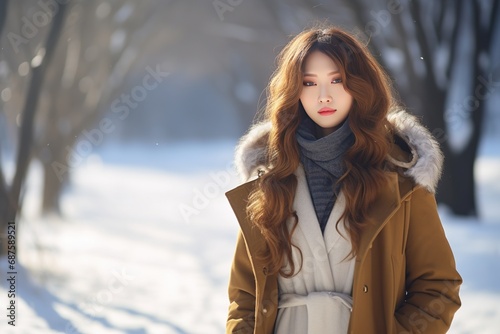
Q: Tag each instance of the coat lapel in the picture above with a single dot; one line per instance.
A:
(331, 236)
(238, 198)
(387, 202)
(305, 209)
(331, 249)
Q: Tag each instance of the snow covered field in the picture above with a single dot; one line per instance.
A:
(147, 237)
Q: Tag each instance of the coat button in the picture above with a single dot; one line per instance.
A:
(365, 288)
(264, 310)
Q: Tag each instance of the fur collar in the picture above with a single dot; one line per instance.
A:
(424, 165)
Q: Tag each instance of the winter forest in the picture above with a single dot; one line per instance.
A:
(118, 122)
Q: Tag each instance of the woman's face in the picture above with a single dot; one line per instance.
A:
(323, 95)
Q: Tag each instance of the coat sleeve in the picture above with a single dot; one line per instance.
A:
(432, 281)
(241, 317)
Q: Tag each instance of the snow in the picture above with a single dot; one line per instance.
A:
(147, 237)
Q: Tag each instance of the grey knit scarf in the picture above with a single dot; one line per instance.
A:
(323, 164)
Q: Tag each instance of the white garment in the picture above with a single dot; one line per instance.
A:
(318, 298)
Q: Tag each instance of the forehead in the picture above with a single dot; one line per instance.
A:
(317, 61)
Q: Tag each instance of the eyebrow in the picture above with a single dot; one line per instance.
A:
(314, 75)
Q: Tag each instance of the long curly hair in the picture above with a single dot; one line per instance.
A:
(270, 204)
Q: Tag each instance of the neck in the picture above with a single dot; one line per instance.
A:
(323, 132)
(323, 147)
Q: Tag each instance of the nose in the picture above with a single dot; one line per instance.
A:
(325, 96)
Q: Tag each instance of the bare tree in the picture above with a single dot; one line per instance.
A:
(104, 44)
(458, 187)
(11, 199)
(436, 41)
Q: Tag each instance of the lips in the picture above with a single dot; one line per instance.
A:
(326, 111)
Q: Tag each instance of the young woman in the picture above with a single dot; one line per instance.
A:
(339, 227)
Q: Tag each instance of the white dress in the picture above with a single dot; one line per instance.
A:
(318, 298)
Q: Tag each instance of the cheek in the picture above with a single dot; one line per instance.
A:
(302, 95)
(348, 98)
(305, 97)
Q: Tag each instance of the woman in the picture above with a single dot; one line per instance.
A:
(339, 228)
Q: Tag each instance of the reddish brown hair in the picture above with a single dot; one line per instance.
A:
(271, 203)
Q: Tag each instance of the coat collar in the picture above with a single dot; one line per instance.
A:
(388, 201)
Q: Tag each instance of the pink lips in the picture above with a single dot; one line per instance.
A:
(326, 111)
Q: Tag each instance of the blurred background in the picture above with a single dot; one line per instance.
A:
(118, 121)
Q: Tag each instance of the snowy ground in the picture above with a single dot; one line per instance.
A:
(147, 237)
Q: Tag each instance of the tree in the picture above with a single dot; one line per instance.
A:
(10, 195)
(458, 188)
(104, 44)
(437, 41)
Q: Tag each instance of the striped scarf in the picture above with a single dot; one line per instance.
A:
(323, 164)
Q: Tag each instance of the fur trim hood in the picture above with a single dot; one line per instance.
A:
(424, 165)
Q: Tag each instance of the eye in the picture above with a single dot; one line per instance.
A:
(338, 80)
(308, 83)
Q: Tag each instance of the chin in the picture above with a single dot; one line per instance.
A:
(331, 125)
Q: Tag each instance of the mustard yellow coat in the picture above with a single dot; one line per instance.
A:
(405, 280)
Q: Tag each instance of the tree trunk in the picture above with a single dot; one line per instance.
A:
(56, 177)
(464, 200)
(433, 107)
(3, 14)
(13, 195)
(52, 188)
